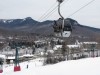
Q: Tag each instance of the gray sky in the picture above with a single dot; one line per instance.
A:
(90, 15)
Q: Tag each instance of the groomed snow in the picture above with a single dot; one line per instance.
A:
(89, 66)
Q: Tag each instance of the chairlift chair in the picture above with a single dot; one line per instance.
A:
(62, 29)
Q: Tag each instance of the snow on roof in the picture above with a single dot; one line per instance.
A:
(2, 56)
(70, 46)
(13, 57)
(28, 55)
(90, 43)
(51, 51)
(57, 46)
(39, 41)
(73, 46)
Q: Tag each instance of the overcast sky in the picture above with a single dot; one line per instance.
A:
(90, 15)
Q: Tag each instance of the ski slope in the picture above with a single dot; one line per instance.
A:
(88, 66)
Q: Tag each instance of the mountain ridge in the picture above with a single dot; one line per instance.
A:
(30, 25)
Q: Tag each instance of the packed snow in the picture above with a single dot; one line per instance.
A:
(87, 66)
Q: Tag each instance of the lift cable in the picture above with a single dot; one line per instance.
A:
(47, 11)
(50, 13)
(55, 10)
(81, 8)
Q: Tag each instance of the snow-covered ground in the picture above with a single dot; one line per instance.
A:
(88, 66)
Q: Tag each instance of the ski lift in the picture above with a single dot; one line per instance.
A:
(16, 66)
(62, 27)
(62, 30)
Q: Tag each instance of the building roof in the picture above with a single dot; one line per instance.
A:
(28, 55)
(90, 43)
(69, 46)
(73, 46)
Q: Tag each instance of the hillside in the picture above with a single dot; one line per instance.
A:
(87, 66)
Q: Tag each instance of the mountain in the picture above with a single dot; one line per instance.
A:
(16, 23)
(33, 26)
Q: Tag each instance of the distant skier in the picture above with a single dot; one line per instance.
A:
(27, 66)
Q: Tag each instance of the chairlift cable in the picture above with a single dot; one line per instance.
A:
(55, 10)
(81, 8)
(47, 11)
(50, 13)
(45, 16)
